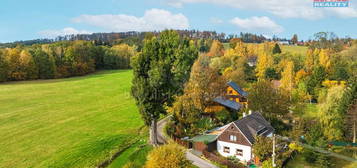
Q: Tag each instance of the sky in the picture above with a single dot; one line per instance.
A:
(26, 20)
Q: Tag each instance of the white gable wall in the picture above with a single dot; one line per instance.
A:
(247, 150)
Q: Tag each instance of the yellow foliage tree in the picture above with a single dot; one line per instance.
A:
(167, 156)
(301, 74)
(241, 49)
(309, 60)
(216, 49)
(288, 76)
(264, 61)
(28, 66)
(324, 58)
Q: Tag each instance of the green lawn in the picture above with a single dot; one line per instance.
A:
(136, 154)
(74, 122)
(294, 49)
(299, 161)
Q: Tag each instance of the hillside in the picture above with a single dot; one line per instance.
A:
(73, 122)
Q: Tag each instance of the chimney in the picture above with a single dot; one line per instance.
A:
(244, 114)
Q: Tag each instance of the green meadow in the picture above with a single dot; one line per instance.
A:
(73, 122)
(294, 49)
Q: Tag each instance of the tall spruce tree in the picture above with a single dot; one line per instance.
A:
(159, 70)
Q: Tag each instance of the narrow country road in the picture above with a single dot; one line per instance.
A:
(197, 161)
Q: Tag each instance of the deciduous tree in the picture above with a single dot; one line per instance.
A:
(45, 63)
(270, 102)
(324, 58)
(155, 80)
(331, 119)
(28, 65)
(264, 62)
(288, 77)
(216, 49)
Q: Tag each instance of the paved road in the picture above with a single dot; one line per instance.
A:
(197, 161)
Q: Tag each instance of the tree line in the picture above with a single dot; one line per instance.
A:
(61, 59)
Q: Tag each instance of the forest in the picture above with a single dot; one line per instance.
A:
(61, 59)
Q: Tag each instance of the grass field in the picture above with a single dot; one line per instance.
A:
(74, 122)
(294, 49)
(136, 154)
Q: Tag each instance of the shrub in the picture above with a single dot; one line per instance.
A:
(167, 156)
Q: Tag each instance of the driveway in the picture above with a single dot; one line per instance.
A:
(197, 161)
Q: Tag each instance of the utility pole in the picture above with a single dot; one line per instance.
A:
(273, 155)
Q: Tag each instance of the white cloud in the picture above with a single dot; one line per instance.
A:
(281, 8)
(153, 19)
(216, 20)
(257, 24)
(65, 31)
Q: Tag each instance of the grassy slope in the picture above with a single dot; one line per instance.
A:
(294, 49)
(74, 122)
(135, 154)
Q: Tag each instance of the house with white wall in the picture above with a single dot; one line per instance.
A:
(237, 138)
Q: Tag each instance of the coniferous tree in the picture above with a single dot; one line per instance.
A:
(276, 49)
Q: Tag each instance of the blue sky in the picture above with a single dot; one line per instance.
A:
(24, 20)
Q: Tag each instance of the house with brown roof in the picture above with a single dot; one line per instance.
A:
(236, 138)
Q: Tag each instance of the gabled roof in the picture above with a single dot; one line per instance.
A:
(237, 88)
(253, 125)
(228, 103)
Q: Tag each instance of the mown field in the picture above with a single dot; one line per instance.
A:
(294, 49)
(74, 122)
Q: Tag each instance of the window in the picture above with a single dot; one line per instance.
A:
(226, 149)
(230, 92)
(239, 152)
(233, 138)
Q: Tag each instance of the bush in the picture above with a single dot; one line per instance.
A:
(167, 156)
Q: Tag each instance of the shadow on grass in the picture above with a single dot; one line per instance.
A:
(97, 74)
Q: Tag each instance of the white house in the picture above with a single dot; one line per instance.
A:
(237, 138)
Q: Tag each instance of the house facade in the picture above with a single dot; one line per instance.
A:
(232, 142)
(237, 139)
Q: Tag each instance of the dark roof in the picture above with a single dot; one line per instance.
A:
(228, 103)
(237, 88)
(254, 124)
